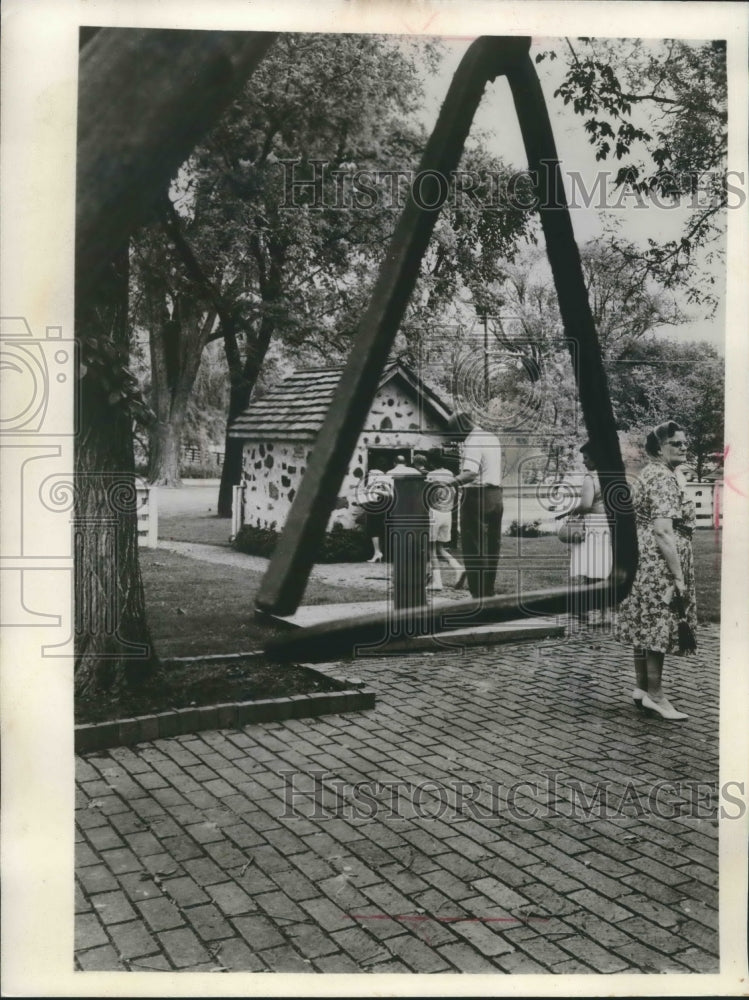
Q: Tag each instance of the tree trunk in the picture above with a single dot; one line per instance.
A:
(165, 435)
(113, 649)
(176, 345)
(165, 441)
(244, 377)
(231, 470)
(239, 398)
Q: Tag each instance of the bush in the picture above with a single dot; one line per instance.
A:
(345, 545)
(254, 541)
(339, 545)
(530, 529)
(207, 469)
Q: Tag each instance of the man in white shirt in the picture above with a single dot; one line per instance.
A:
(481, 508)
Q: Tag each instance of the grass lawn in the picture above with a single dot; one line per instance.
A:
(195, 527)
(189, 514)
(198, 607)
(533, 563)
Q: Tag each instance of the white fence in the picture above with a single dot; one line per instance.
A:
(148, 515)
(237, 510)
(527, 504)
(708, 502)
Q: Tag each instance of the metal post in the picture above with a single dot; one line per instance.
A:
(407, 524)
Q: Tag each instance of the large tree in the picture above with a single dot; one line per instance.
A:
(270, 255)
(284, 213)
(144, 100)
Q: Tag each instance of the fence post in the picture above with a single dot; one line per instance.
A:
(153, 517)
(717, 504)
(237, 510)
(147, 514)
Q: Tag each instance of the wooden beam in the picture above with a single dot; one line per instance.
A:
(577, 319)
(286, 578)
(395, 283)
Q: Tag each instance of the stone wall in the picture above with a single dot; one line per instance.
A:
(273, 471)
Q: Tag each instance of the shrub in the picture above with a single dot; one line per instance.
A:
(256, 541)
(530, 529)
(209, 468)
(339, 545)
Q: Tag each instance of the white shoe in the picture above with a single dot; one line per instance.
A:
(664, 708)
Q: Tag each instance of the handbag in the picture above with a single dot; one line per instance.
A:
(686, 637)
(572, 530)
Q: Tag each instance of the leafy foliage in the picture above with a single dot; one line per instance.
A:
(659, 109)
(525, 529)
(106, 362)
(339, 545)
(651, 377)
(282, 216)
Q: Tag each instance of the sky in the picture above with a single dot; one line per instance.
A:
(497, 120)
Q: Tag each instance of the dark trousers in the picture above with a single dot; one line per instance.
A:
(480, 531)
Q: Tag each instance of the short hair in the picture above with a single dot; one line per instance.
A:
(460, 424)
(659, 434)
(420, 458)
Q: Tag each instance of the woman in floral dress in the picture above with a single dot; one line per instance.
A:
(665, 518)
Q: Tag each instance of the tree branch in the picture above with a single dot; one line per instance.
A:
(173, 229)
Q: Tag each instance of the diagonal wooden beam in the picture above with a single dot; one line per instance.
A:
(579, 327)
(396, 280)
(286, 578)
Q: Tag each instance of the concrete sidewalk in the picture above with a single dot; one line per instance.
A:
(504, 810)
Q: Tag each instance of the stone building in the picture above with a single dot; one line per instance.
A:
(279, 432)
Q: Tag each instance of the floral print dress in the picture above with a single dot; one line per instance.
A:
(643, 618)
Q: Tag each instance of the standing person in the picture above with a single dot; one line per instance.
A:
(441, 497)
(481, 510)
(378, 491)
(647, 618)
(591, 559)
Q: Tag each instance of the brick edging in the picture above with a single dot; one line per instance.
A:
(228, 715)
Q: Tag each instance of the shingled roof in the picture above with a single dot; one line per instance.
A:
(296, 407)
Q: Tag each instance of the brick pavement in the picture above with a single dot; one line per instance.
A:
(454, 828)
